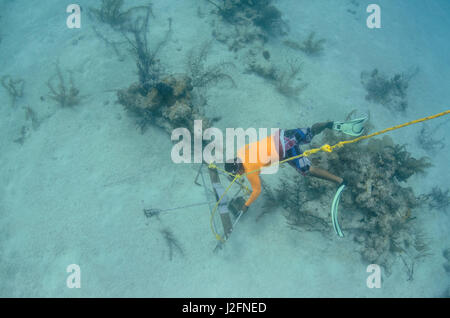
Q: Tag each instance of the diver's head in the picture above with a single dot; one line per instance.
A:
(234, 166)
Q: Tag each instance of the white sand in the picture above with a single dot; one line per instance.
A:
(74, 192)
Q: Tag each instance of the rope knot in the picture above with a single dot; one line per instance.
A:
(326, 148)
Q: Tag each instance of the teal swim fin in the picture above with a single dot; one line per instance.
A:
(353, 127)
(334, 211)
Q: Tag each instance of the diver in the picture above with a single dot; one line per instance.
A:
(284, 144)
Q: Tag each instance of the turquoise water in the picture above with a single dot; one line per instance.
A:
(75, 180)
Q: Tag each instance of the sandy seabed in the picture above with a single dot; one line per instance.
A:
(75, 190)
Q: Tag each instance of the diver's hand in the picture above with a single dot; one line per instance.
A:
(244, 208)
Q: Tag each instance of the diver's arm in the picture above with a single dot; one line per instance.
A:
(325, 175)
(255, 182)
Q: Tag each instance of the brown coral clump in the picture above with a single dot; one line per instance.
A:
(168, 104)
(253, 22)
(379, 210)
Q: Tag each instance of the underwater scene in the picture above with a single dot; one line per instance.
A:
(128, 130)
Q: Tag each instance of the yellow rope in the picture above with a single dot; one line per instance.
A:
(243, 186)
(324, 148)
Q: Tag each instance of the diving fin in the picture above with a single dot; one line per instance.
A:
(334, 211)
(353, 127)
